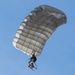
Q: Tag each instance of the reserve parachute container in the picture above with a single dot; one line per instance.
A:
(36, 29)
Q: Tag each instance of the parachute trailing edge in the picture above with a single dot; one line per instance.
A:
(36, 29)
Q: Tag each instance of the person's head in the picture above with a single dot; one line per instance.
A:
(33, 55)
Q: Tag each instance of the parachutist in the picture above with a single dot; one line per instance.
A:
(32, 62)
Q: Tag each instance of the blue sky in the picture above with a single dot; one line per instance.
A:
(58, 55)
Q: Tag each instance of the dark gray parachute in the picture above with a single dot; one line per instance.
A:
(36, 29)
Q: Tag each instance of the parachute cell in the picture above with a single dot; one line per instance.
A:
(36, 28)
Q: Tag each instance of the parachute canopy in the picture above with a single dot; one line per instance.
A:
(36, 28)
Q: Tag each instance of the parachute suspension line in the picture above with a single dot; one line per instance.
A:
(33, 52)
